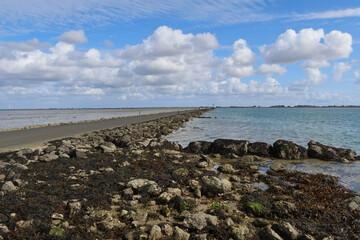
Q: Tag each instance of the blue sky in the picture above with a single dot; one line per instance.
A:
(89, 53)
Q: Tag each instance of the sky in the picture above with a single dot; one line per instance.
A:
(166, 53)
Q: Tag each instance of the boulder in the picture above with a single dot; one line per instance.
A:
(287, 231)
(48, 157)
(198, 147)
(323, 152)
(213, 186)
(288, 150)
(259, 149)
(8, 187)
(108, 147)
(228, 146)
(226, 168)
(277, 167)
(123, 142)
(180, 234)
(267, 233)
(199, 221)
(155, 233)
(163, 144)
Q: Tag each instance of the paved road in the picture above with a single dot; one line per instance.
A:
(13, 140)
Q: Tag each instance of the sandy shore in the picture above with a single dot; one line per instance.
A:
(33, 137)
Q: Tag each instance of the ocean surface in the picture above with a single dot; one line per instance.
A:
(338, 127)
(11, 119)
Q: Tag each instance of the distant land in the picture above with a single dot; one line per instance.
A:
(296, 106)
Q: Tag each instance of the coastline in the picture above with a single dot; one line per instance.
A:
(36, 136)
(130, 183)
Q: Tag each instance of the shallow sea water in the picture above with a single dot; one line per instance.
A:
(339, 127)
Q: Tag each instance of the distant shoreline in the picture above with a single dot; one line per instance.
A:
(297, 106)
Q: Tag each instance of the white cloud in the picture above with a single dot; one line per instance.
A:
(339, 69)
(357, 76)
(108, 43)
(291, 47)
(27, 46)
(241, 62)
(268, 69)
(74, 37)
(344, 13)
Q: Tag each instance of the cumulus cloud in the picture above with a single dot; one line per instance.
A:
(241, 62)
(308, 44)
(339, 69)
(74, 37)
(268, 69)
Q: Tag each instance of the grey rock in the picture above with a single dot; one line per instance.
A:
(8, 187)
(20, 166)
(226, 168)
(241, 232)
(202, 164)
(200, 220)
(198, 147)
(48, 157)
(108, 147)
(139, 183)
(226, 146)
(288, 231)
(80, 153)
(180, 234)
(277, 167)
(328, 153)
(212, 185)
(167, 230)
(267, 233)
(288, 150)
(259, 149)
(155, 233)
(284, 208)
(169, 194)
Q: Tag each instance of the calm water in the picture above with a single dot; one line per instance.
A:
(10, 119)
(338, 127)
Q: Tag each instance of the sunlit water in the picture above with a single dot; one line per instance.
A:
(339, 127)
(10, 119)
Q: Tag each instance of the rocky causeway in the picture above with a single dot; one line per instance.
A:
(129, 182)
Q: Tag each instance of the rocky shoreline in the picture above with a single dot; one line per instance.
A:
(131, 183)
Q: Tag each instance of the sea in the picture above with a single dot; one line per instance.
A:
(338, 127)
(22, 118)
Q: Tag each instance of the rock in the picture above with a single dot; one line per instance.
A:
(50, 149)
(108, 147)
(200, 220)
(198, 147)
(74, 207)
(4, 228)
(328, 153)
(25, 224)
(277, 167)
(212, 185)
(254, 168)
(139, 183)
(79, 153)
(228, 222)
(57, 216)
(202, 164)
(181, 172)
(226, 168)
(163, 144)
(287, 231)
(226, 146)
(20, 166)
(180, 234)
(10, 176)
(169, 194)
(108, 223)
(267, 233)
(202, 236)
(288, 150)
(64, 155)
(8, 187)
(241, 232)
(24, 151)
(123, 142)
(155, 233)
(167, 229)
(284, 208)
(259, 149)
(2, 177)
(48, 157)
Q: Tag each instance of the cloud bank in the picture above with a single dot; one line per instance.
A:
(171, 64)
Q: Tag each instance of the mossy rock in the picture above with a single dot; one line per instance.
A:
(255, 208)
(55, 231)
(181, 172)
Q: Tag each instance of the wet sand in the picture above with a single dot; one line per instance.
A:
(13, 140)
